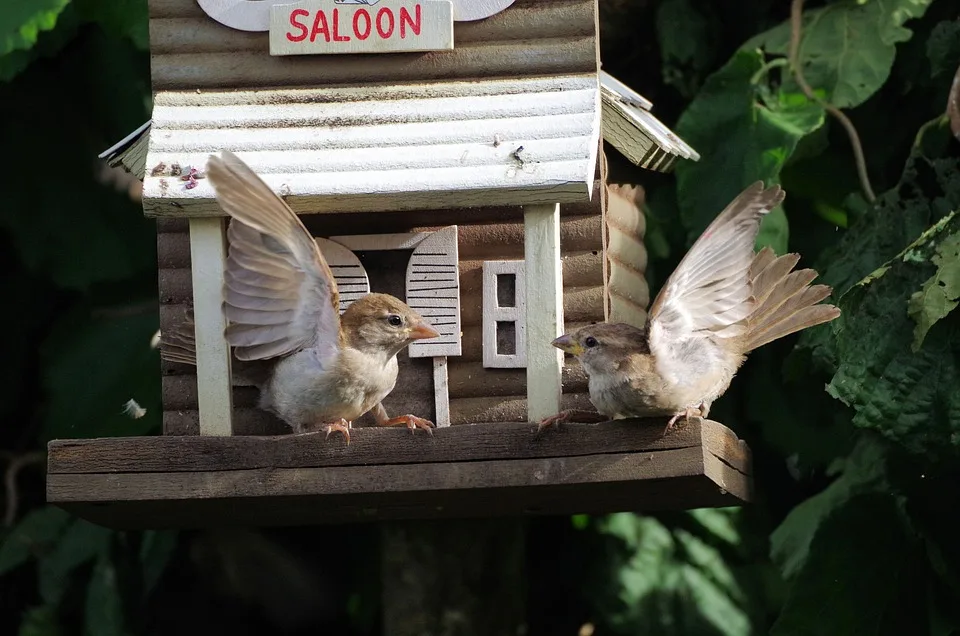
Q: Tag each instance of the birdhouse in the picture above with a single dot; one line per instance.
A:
(447, 152)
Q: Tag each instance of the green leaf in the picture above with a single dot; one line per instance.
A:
(103, 614)
(675, 581)
(863, 471)
(852, 581)
(40, 621)
(33, 536)
(743, 135)
(848, 47)
(21, 21)
(80, 543)
(688, 44)
(911, 397)
(87, 383)
(122, 18)
(940, 293)
(943, 48)
(928, 190)
(156, 548)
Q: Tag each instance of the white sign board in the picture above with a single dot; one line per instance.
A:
(360, 26)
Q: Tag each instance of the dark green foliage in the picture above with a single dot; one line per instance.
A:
(854, 426)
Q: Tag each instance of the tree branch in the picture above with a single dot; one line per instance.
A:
(796, 28)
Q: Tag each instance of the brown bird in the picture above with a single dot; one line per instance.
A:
(722, 302)
(317, 369)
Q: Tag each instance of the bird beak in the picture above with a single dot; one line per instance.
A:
(567, 344)
(423, 331)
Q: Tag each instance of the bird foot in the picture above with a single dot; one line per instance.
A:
(687, 413)
(553, 420)
(410, 421)
(343, 426)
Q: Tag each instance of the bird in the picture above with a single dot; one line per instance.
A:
(721, 302)
(315, 369)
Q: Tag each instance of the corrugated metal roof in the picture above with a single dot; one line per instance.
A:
(395, 147)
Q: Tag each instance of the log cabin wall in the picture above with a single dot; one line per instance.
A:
(191, 51)
(477, 394)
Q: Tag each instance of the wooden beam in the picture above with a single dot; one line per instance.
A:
(544, 310)
(441, 392)
(208, 254)
(460, 471)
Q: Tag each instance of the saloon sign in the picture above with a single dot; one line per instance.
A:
(371, 26)
(352, 26)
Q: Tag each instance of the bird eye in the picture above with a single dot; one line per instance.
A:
(591, 342)
(395, 320)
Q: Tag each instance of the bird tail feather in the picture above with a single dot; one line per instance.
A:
(785, 300)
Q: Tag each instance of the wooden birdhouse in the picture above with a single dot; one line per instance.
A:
(447, 152)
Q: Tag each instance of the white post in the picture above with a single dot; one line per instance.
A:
(208, 255)
(544, 311)
(441, 391)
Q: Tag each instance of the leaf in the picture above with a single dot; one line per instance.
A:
(688, 44)
(741, 138)
(33, 536)
(848, 47)
(674, 581)
(103, 613)
(21, 21)
(911, 397)
(122, 18)
(80, 543)
(851, 583)
(943, 48)
(928, 190)
(87, 382)
(863, 471)
(156, 548)
(40, 621)
(940, 293)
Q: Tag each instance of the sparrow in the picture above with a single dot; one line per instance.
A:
(722, 302)
(314, 368)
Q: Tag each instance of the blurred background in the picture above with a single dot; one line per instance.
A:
(854, 426)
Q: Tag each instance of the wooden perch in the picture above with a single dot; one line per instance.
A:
(461, 471)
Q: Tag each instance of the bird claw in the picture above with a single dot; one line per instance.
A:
(687, 413)
(343, 426)
(553, 420)
(410, 421)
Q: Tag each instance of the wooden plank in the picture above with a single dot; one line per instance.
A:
(441, 392)
(317, 27)
(544, 309)
(208, 252)
(381, 446)
(669, 479)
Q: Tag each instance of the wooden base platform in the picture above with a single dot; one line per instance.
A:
(481, 470)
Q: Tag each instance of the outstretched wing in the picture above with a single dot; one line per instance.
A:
(709, 294)
(280, 295)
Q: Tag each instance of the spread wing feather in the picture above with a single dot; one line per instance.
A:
(709, 294)
(280, 295)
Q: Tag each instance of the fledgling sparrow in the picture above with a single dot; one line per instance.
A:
(722, 302)
(315, 368)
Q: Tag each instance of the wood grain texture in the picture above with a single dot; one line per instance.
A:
(544, 309)
(208, 253)
(627, 293)
(160, 482)
(190, 50)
